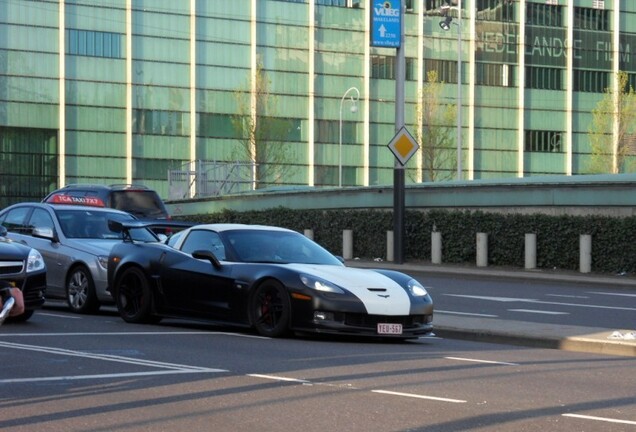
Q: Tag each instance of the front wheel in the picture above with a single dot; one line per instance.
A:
(80, 291)
(270, 309)
(133, 297)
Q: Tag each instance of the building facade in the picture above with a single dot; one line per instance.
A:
(126, 91)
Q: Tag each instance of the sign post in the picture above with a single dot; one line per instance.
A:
(387, 31)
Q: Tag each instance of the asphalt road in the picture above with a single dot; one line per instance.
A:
(96, 373)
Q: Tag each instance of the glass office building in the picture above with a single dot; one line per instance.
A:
(123, 91)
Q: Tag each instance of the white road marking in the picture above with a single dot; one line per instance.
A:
(417, 396)
(567, 296)
(437, 311)
(172, 367)
(604, 419)
(482, 361)
(538, 312)
(58, 316)
(164, 333)
(279, 378)
(105, 376)
(534, 301)
(613, 294)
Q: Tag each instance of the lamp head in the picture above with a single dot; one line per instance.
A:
(354, 106)
(445, 25)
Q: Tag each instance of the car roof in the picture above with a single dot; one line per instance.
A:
(234, 226)
(111, 187)
(67, 207)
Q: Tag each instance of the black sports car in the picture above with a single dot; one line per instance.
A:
(273, 279)
(24, 268)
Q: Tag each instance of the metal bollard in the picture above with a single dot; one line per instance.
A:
(309, 233)
(347, 244)
(585, 248)
(531, 251)
(482, 250)
(389, 246)
(436, 247)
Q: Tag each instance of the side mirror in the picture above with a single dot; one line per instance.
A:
(207, 255)
(3, 231)
(45, 233)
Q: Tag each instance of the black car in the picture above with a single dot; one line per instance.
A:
(24, 268)
(272, 279)
(138, 200)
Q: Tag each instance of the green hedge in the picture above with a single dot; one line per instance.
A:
(613, 248)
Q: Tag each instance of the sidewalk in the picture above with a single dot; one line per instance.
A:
(564, 337)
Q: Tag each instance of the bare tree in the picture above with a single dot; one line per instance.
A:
(612, 132)
(261, 133)
(435, 120)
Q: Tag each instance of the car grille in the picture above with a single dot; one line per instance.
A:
(11, 267)
(371, 321)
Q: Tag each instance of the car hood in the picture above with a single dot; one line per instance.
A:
(12, 251)
(93, 246)
(380, 294)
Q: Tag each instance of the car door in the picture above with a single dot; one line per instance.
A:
(205, 290)
(55, 258)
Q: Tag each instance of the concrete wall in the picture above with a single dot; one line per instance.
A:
(609, 195)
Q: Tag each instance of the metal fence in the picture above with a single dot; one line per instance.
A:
(209, 179)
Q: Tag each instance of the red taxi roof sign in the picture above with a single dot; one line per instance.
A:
(76, 200)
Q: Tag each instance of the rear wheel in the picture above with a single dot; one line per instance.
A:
(80, 291)
(270, 309)
(133, 297)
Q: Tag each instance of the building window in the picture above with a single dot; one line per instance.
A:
(383, 67)
(431, 5)
(158, 122)
(93, 43)
(631, 82)
(495, 10)
(591, 19)
(544, 15)
(446, 70)
(340, 3)
(591, 81)
(541, 141)
(494, 74)
(544, 78)
(328, 131)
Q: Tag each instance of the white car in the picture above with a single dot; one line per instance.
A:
(75, 242)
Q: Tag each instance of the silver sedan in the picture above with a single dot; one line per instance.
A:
(75, 242)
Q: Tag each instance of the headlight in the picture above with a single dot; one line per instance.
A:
(34, 261)
(320, 284)
(103, 261)
(416, 288)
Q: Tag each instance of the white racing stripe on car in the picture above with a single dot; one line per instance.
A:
(392, 300)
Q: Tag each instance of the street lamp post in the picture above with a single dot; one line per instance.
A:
(445, 25)
(354, 108)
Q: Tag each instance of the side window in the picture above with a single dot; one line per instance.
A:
(204, 240)
(40, 218)
(15, 219)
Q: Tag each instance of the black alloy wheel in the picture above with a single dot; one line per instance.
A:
(134, 298)
(270, 309)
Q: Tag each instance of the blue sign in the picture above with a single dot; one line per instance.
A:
(386, 23)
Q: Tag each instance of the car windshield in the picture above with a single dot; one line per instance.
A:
(277, 247)
(140, 203)
(91, 224)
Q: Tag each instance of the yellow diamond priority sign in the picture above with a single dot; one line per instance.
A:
(403, 146)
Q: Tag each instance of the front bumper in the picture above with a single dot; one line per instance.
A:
(32, 285)
(348, 316)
